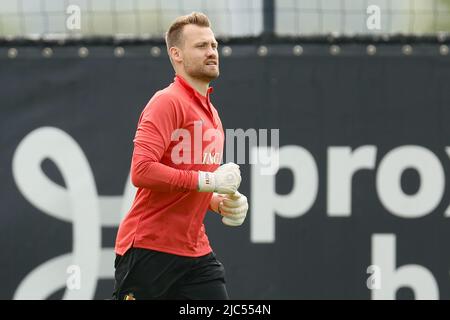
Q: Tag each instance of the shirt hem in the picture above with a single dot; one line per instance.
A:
(172, 251)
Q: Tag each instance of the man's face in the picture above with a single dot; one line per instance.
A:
(199, 52)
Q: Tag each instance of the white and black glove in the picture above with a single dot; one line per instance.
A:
(233, 208)
(226, 179)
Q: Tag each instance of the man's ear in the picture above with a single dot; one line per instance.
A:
(176, 54)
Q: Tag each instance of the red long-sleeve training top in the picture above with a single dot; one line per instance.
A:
(179, 133)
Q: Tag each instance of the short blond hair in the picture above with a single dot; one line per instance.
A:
(174, 34)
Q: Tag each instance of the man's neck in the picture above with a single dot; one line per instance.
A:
(200, 86)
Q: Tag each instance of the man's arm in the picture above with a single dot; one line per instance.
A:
(153, 136)
(150, 174)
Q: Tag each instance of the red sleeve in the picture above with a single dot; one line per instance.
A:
(153, 136)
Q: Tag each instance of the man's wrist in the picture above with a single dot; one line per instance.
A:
(215, 202)
(206, 181)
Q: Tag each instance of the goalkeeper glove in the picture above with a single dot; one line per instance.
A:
(226, 179)
(233, 208)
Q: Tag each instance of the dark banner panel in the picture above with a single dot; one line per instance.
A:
(356, 206)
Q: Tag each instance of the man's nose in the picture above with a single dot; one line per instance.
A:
(211, 52)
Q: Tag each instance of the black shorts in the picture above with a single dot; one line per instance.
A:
(149, 274)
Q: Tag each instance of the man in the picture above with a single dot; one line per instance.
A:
(162, 248)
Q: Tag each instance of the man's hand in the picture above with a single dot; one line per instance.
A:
(233, 208)
(226, 179)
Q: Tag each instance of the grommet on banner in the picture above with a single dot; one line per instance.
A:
(335, 50)
(443, 50)
(262, 51)
(83, 52)
(12, 53)
(371, 50)
(227, 51)
(47, 52)
(155, 51)
(441, 36)
(119, 52)
(297, 50)
(407, 49)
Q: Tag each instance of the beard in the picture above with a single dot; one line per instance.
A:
(202, 72)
